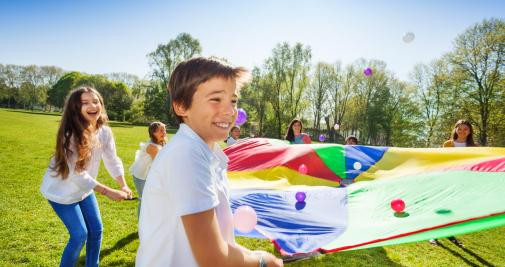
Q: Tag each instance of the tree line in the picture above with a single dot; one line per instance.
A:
(380, 109)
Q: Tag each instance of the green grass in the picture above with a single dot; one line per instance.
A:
(32, 235)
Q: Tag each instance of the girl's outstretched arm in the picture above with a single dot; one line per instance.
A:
(110, 193)
(124, 187)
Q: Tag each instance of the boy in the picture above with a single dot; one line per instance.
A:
(186, 218)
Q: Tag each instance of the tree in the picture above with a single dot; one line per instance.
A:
(321, 84)
(254, 98)
(432, 85)
(11, 77)
(32, 91)
(287, 72)
(478, 54)
(297, 77)
(156, 106)
(119, 99)
(368, 88)
(59, 91)
(343, 83)
(163, 62)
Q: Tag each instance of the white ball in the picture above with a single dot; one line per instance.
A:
(336, 126)
(408, 37)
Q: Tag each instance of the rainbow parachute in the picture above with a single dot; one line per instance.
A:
(447, 191)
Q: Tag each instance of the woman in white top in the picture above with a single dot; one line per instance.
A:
(145, 155)
(83, 139)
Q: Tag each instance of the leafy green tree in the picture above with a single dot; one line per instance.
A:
(432, 84)
(343, 84)
(156, 106)
(118, 99)
(59, 91)
(11, 77)
(322, 82)
(287, 72)
(254, 99)
(163, 62)
(479, 56)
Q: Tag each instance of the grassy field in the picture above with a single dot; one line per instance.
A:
(32, 235)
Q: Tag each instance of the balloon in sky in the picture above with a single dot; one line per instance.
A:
(241, 117)
(408, 37)
(398, 205)
(336, 126)
(245, 219)
(368, 72)
(322, 138)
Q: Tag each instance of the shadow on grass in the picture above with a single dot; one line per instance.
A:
(477, 257)
(120, 244)
(366, 257)
(120, 124)
(34, 112)
(456, 254)
(471, 253)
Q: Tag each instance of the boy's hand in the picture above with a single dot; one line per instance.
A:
(272, 261)
(269, 259)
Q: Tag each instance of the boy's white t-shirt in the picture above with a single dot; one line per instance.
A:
(186, 177)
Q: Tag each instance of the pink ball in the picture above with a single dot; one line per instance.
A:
(303, 169)
(245, 219)
(398, 205)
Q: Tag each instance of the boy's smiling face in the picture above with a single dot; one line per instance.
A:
(213, 109)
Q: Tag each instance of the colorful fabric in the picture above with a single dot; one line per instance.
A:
(446, 191)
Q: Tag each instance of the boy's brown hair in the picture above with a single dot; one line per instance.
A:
(188, 75)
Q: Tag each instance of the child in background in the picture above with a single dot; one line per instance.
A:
(351, 140)
(295, 135)
(83, 139)
(145, 155)
(462, 136)
(234, 135)
(186, 218)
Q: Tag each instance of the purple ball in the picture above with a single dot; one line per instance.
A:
(368, 72)
(241, 117)
(300, 196)
(322, 138)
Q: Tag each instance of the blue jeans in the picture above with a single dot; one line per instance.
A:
(84, 225)
(139, 185)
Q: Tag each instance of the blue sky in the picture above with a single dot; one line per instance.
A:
(115, 36)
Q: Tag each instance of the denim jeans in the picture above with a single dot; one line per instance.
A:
(139, 185)
(84, 225)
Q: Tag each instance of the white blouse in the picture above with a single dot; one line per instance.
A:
(143, 161)
(79, 185)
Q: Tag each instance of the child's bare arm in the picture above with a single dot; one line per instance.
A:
(152, 150)
(210, 249)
